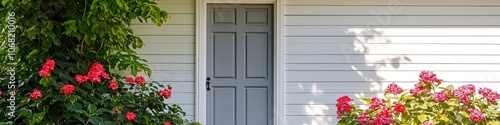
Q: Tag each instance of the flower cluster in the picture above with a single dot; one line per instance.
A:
(138, 80)
(67, 89)
(440, 96)
(464, 93)
(476, 115)
(47, 67)
(490, 95)
(429, 77)
(343, 106)
(399, 108)
(376, 103)
(35, 94)
(419, 89)
(394, 89)
(165, 93)
(130, 116)
(113, 85)
(94, 75)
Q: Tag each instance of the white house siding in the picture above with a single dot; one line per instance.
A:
(170, 50)
(357, 47)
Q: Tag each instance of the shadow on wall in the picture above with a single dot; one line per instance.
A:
(347, 67)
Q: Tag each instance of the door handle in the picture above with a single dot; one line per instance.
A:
(208, 83)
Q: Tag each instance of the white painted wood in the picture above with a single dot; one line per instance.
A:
(384, 10)
(201, 61)
(167, 49)
(393, 20)
(386, 76)
(311, 120)
(392, 2)
(172, 67)
(242, 1)
(164, 30)
(392, 31)
(395, 40)
(391, 48)
(168, 39)
(279, 66)
(394, 58)
(172, 59)
(491, 67)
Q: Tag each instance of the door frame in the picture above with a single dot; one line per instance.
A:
(278, 54)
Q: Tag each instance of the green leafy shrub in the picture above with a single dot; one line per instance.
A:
(426, 104)
(61, 64)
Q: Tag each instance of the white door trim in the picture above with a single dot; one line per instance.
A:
(201, 59)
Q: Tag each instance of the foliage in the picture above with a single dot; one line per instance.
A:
(60, 43)
(426, 104)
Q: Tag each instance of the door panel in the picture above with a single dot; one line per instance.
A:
(239, 63)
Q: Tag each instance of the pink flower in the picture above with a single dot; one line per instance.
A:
(165, 93)
(343, 99)
(415, 92)
(383, 117)
(167, 123)
(363, 118)
(130, 116)
(67, 89)
(35, 94)
(49, 64)
(399, 108)
(44, 73)
(377, 102)
(463, 93)
(394, 89)
(476, 115)
(427, 123)
(1, 94)
(469, 89)
(129, 80)
(440, 96)
(140, 80)
(490, 95)
(113, 85)
(80, 78)
(429, 77)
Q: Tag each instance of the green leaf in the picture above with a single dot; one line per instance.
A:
(450, 87)
(100, 111)
(422, 118)
(72, 99)
(32, 53)
(494, 123)
(91, 108)
(45, 81)
(96, 120)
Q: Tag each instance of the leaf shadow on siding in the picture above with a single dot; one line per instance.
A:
(357, 74)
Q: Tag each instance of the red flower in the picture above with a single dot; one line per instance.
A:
(49, 64)
(399, 108)
(363, 118)
(35, 94)
(113, 85)
(130, 116)
(95, 73)
(67, 89)
(1, 94)
(383, 117)
(344, 99)
(343, 107)
(80, 78)
(476, 115)
(394, 89)
(165, 93)
(140, 80)
(167, 123)
(129, 80)
(44, 73)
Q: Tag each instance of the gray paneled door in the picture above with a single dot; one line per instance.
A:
(239, 63)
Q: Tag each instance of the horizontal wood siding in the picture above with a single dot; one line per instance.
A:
(170, 51)
(358, 47)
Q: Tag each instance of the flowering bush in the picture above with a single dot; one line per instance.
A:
(425, 104)
(61, 59)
